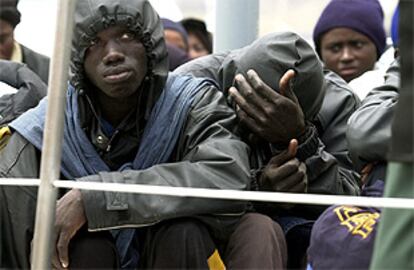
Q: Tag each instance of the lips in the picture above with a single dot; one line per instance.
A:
(117, 75)
(348, 71)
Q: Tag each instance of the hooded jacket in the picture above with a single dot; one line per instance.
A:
(369, 128)
(325, 99)
(207, 154)
(31, 89)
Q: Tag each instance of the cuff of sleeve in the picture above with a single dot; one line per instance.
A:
(308, 143)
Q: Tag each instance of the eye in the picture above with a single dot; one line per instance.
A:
(127, 37)
(335, 48)
(94, 42)
(358, 44)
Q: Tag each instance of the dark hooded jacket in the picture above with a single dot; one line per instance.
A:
(207, 154)
(325, 99)
(369, 128)
(30, 90)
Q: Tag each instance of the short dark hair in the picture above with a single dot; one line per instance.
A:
(9, 12)
(198, 28)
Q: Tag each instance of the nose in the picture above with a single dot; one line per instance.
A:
(347, 54)
(113, 53)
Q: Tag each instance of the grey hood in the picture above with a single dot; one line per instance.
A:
(270, 56)
(93, 16)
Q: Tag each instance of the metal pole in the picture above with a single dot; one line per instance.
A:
(53, 132)
(237, 24)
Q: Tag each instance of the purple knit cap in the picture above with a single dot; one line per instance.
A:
(364, 16)
(176, 26)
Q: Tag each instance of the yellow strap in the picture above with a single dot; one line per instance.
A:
(215, 262)
(5, 134)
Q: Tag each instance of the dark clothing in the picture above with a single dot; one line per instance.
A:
(38, 63)
(394, 246)
(326, 100)
(369, 128)
(100, 247)
(176, 57)
(30, 90)
(178, 244)
(402, 148)
(257, 243)
(205, 154)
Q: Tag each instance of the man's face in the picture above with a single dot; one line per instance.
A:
(348, 53)
(116, 63)
(6, 40)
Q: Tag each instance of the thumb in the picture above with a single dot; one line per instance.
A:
(286, 155)
(285, 87)
(62, 248)
(293, 148)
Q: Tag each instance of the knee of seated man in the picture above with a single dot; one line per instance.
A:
(186, 228)
(261, 223)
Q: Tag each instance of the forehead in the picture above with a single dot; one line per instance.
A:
(342, 34)
(112, 31)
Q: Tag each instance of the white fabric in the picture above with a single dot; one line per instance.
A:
(6, 89)
(374, 78)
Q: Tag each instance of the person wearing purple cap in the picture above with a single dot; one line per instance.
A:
(346, 43)
(175, 34)
(176, 38)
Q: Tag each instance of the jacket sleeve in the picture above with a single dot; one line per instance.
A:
(208, 155)
(30, 88)
(330, 170)
(369, 128)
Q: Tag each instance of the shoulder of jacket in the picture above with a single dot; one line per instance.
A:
(18, 150)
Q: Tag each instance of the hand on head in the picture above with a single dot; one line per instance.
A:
(275, 117)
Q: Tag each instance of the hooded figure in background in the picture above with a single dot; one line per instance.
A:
(10, 49)
(128, 121)
(293, 114)
(30, 89)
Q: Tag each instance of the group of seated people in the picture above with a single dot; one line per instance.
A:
(276, 116)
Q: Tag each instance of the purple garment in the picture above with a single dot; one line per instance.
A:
(343, 236)
(364, 16)
(176, 26)
(176, 57)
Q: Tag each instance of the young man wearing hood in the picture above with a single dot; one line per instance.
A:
(294, 115)
(128, 121)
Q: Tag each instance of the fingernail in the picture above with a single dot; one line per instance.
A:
(239, 77)
(65, 265)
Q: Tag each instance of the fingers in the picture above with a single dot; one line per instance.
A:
(63, 249)
(285, 84)
(278, 173)
(249, 122)
(286, 155)
(247, 91)
(296, 182)
(260, 86)
(242, 103)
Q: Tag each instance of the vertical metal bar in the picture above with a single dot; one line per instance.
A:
(53, 132)
(237, 23)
